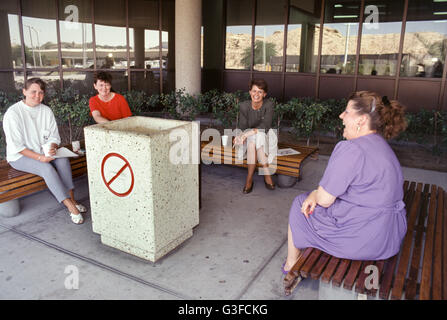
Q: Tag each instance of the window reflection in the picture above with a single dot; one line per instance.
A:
(80, 82)
(11, 82)
(425, 40)
(340, 32)
(145, 81)
(201, 46)
(39, 33)
(11, 55)
(238, 34)
(76, 33)
(144, 41)
(110, 34)
(380, 39)
(269, 35)
(167, 44)
(143, 34)
(303, 34)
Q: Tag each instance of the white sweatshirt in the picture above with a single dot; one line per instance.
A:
(28, 128)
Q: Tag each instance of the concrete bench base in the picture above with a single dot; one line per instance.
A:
(10, 208)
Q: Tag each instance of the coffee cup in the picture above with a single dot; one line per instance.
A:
(224, 140)
(76, 146)
(46, 149)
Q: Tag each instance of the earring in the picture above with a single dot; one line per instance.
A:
(358, 129)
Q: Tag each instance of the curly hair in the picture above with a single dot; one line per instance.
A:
(387, 117)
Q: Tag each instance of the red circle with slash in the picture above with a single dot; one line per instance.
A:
(108, 183)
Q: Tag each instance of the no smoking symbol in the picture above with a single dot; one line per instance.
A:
(117, 174)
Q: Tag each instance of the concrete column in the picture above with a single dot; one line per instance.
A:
(6, 78)
(188, 15)
(138, 38)
(213, 42)
(307, 46)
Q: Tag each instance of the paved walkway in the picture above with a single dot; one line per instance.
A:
(236, 251)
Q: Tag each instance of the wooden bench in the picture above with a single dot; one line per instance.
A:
(418, 271)
(285, 165)
(16, 184)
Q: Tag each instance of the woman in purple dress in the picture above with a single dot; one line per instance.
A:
(357, 211)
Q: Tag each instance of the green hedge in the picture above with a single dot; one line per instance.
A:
(306, 116)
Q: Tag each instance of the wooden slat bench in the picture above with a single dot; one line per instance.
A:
(286, 165)
(15, 184)
(418, 271)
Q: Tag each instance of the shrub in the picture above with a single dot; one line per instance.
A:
(225, 108)
(72, 113)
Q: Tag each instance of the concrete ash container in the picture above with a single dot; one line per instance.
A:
(142, 202)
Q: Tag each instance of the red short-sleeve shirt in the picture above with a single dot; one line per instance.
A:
(115, 109)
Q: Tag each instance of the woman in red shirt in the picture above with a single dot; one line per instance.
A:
(107, 105)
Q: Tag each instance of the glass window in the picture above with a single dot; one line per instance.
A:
(39, 33)
(167, 46)
(269, 35)
(110, 34)
(425, 39)
(11, 53)
(12, 82)
(79, 81)
(380, 37)
(201, 46)
(144, 81)
(303, 34)
(238, 34)
(143, 34)
(340, 33)
(76, 33)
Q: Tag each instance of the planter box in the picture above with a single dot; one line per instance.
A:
(141, 202)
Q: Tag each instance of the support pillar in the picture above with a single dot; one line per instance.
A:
(138, 36)
(188, 15)
(6, 78)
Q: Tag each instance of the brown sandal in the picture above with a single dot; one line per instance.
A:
(291, 281)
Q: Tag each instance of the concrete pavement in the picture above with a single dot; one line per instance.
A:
(236, 251)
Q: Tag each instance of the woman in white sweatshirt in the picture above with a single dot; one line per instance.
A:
(29, 125)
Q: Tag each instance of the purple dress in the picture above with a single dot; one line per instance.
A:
(367, 221)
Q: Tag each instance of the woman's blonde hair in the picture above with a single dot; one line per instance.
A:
(387, 117)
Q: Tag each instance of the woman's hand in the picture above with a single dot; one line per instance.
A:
(309, 204)
(43, 158)
(239, 139)
(46, 159)
(320, 197)
(53, 150)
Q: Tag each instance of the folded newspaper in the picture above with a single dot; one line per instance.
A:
(64, 153)
(287, 152)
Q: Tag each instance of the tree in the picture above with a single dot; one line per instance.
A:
(270, 51)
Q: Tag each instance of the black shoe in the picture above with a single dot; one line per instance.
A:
(248, 190)
(269, 186)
